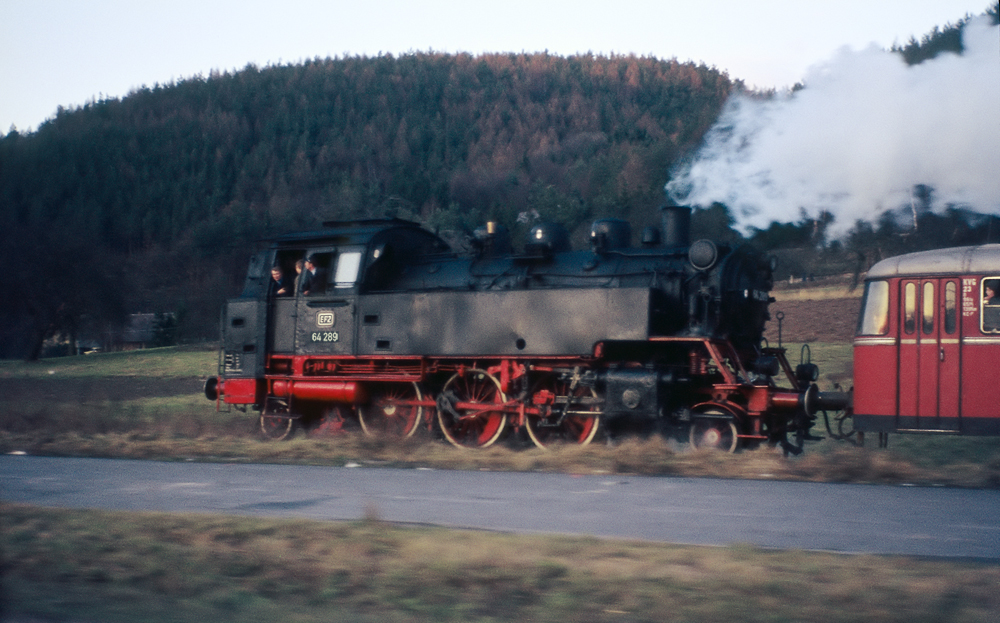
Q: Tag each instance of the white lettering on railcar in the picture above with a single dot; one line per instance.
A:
(969, 297)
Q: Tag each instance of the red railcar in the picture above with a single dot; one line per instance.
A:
(927, 348)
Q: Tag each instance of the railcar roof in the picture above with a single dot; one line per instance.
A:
(346, 232)
(954, 261)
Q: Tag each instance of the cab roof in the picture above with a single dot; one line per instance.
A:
(347, 232)
(954, 261)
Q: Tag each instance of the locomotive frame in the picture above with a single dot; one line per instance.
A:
(553, 342)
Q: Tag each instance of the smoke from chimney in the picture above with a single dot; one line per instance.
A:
(865, 131)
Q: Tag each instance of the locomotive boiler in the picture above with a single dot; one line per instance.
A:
(396, 330)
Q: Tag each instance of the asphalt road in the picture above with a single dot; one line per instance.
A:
(788, 515)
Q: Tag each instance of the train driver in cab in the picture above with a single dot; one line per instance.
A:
(991, 296)
(280, 285)
(991, 306)
(313, 278)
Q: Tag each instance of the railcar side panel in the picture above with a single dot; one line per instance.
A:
(980, 388)
(875, 371)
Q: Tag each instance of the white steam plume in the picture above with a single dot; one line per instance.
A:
(866, 129)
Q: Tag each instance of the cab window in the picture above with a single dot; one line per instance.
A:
(910, 308)
(928, 308)
(950, 307)
(874, 319)
(990, 296)
(348, 264)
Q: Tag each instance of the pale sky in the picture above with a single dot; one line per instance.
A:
(67, 52)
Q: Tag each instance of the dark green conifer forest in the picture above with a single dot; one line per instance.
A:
(153, 202)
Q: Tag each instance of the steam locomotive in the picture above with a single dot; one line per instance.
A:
(396, 330)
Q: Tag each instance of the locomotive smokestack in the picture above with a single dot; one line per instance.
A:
(676, 221)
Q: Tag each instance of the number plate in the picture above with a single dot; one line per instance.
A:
(324, 336)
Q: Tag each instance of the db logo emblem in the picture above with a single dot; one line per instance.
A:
(324, 319)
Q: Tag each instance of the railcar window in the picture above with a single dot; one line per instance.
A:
(928, 311)
(874, 318)
(950, 307)
(910, 308)
(991, 305)
(348, 264)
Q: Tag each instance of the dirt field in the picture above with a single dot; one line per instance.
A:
(828, 320)
(93, 390)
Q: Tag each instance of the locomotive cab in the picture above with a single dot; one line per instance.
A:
(263, 332)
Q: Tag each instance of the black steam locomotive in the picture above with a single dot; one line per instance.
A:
(389, 328)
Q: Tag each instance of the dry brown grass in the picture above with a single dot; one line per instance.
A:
(148, 406)
(89, 565)
(827, 461)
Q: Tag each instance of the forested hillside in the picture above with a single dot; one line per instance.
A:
(359, 137)
(152, 202)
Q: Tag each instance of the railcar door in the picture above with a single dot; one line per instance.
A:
(981, 355)
(949, 356)
(929, 355)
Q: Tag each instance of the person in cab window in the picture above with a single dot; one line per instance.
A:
(280, 285)
(299, 265)
(991, 306)
(990, 296)
(313, 278)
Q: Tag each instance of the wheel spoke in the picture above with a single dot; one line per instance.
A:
(392, 411)
(276, 421)
(472, 427)
(550, 427)
(716, 433)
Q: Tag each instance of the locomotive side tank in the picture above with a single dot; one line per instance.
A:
(397, 329)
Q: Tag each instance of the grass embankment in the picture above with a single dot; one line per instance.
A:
(101, 566)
